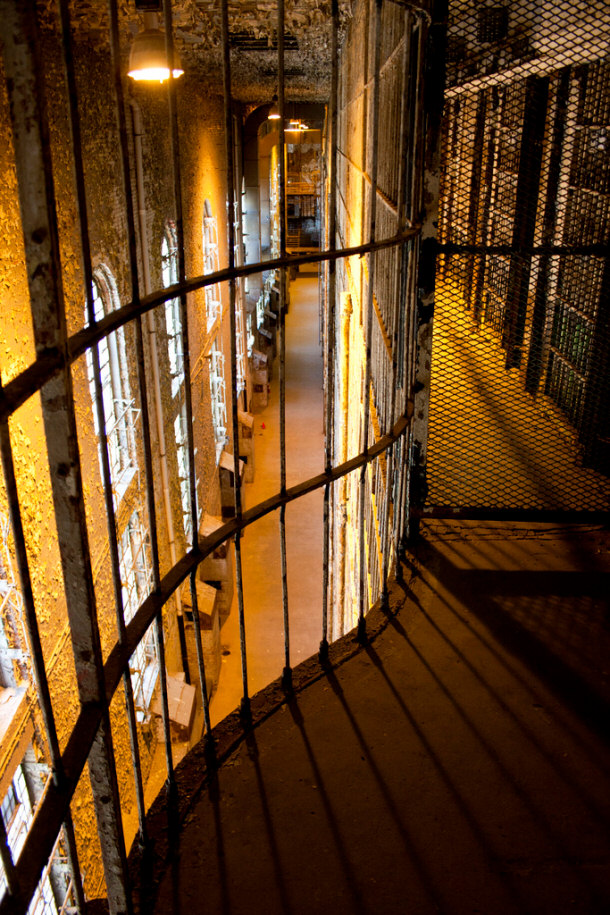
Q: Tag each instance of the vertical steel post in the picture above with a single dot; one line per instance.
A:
(526, 209)
(399, 329)
(135, 284)
(426, 196)
(175, 145)
(79, 177)
(287, 672)
(330, 322)
(226, 80)
(549, 222)
(41, 240)
(369, 324)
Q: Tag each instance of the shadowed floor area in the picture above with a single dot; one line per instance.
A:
(491, 444)
(457, 763)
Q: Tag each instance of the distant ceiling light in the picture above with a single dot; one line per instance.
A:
(274, 111)
(294, 124)
(148, 58)
(303, 126)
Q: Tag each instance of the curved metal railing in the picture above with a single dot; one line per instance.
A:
(50, 376)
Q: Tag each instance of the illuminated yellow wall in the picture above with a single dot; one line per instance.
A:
(203, 177)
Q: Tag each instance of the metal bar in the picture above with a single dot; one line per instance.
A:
(177, 182)
(399, 330)
(174, 578)
(53, 809)
(330, 321)
(545, 516)
(173, 108)
(48, 364)
(226, 81)
(36, 653)
(593, 250)
(427, 197)
(152, 518)
(287, 672)
(39, 222)
(369, 321)
(535, 350)
(79, 177)
(524, 226)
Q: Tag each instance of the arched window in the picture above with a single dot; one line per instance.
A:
(120, 417)
(210, 264)
(213, 311)
(119, 406)
(173, 320)
(136, 581)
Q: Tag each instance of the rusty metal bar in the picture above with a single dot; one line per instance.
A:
(226, 81)
(79, 177)
(427, 193)
(133, 265)
(188, 399)
(398, 331)
(52, 810)
(39, 222)
(287, 672)
(408, 340)
(36, 653)
(47, 365)
(330, 322)
(369, 320)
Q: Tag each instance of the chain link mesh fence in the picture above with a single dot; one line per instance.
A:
(520, 388)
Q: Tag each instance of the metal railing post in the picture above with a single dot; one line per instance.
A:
(39, 223)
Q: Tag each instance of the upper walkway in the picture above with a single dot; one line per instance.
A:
(456, 763)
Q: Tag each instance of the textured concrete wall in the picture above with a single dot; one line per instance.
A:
(203, 177)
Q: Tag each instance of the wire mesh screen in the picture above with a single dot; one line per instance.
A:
(520, 387)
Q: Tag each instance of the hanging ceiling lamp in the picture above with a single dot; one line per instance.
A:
(148, 56)
(274, 111)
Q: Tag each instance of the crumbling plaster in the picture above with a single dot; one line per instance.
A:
(203, 174)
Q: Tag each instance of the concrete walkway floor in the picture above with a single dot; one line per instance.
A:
(457, 763)
(260, 544)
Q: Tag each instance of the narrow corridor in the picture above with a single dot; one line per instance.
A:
(261, 542)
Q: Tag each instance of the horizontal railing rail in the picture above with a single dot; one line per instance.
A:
(98, 677)
(52, 810)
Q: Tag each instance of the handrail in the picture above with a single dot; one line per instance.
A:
(50, 362)
(52, 810)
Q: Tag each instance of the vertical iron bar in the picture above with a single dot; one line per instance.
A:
(135, 285)
(400, 292)
(36, 655)
(188, 398)
(41, 240)
(369, 319)
(79, 178)
(330, 323)
(226, 79)
(407, 358)
(526, 208)
(6, 857)
(287, 673)
(173, 119)
(539, 315)
(428, 164)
